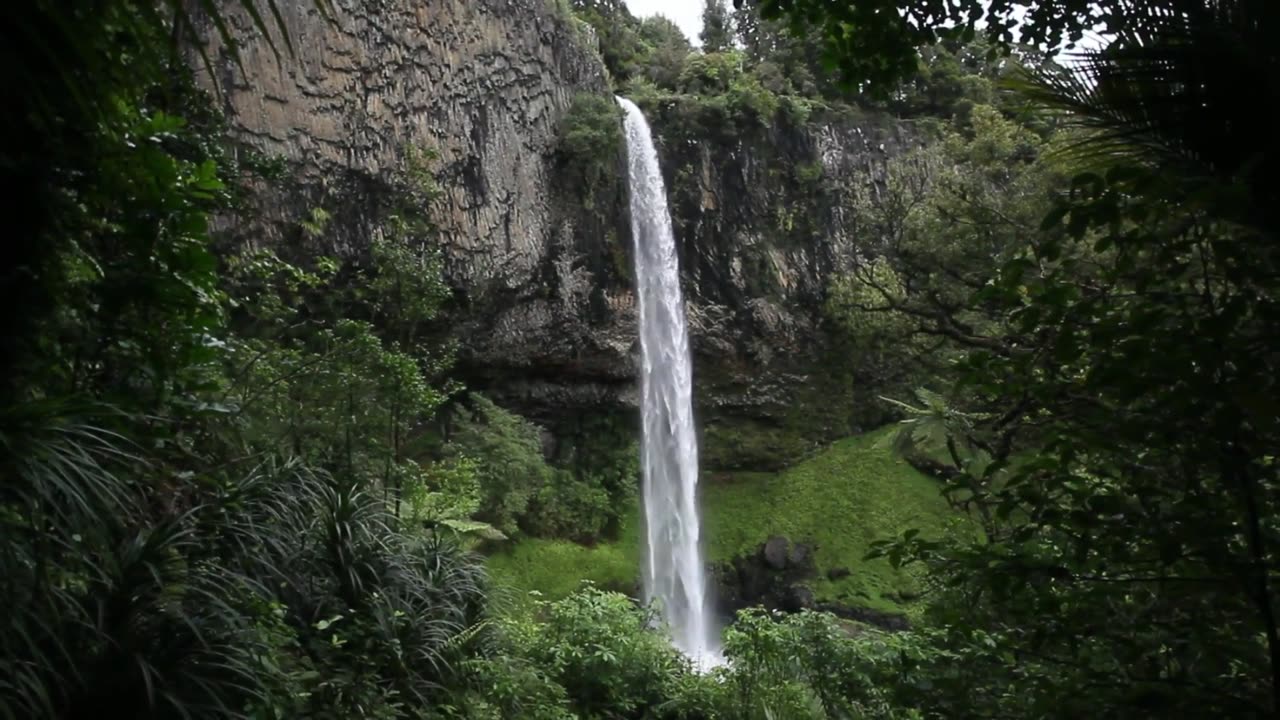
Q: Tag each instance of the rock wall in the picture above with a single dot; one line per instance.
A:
(762, 209)
(543, 304)
(483, 86)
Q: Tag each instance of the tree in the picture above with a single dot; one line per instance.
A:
(621, 46)
(875, 43)
(717, 27)
(945, 214)
(1135, 506)
(669, 46)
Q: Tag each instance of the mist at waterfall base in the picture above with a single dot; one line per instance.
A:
(674, 574)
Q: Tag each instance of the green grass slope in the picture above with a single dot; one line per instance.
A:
(840, 500)
(556, 568)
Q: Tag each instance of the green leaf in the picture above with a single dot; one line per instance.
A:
(1054, 218)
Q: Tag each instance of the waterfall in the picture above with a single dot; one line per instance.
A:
(673, 572)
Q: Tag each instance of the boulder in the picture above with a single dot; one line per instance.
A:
(800, 556)
(798, 597)
(776, 552)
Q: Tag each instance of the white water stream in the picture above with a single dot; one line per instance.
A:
(674, 574)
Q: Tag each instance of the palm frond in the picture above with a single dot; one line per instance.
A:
(1167, 92)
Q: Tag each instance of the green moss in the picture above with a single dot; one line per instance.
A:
(841, 500)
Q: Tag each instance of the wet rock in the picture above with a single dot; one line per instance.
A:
(868, 616)
(799, 556)
(776, 552)
(798, 597)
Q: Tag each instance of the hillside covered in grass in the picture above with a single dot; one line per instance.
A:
(839, 501)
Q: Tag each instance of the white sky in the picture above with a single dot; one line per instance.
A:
(686, 13)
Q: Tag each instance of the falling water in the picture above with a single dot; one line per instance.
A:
(673, 572)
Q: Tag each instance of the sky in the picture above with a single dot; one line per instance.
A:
(686, 13)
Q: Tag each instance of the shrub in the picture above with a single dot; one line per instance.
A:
(590, 143)
(571, 508)
(497, 456)
(798, 110)
(751, 102)
(710, 73)
(807, 665)
(599, 646)
(508, 450)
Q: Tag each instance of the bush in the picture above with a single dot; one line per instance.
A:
(582, 496)
(571, 508)
(508, 450)
(798, 110)
(504, 682)
(710, 73)
(599, 646)
(590, 143)
(751, 101)
(807, 665)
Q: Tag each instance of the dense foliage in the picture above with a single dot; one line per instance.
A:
(242, 484)
(1095, 412)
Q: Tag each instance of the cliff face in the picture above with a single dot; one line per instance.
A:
(762, 209)
(482, 86)
(543, 306)
(482, 83)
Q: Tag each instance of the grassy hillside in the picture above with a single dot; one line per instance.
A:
(556, 568)
(841, 500)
